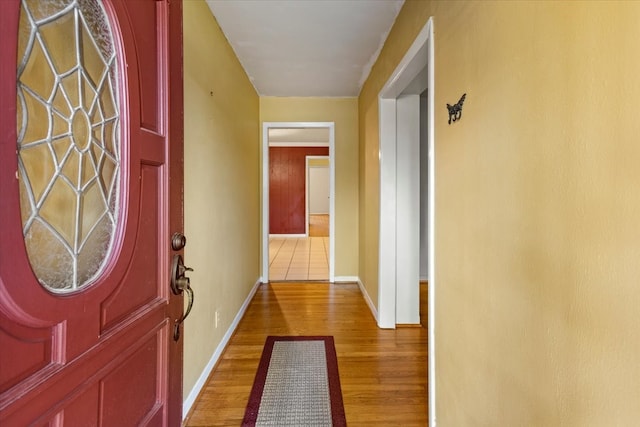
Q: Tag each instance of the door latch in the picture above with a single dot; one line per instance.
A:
(180, 283)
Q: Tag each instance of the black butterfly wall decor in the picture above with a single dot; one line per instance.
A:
(455, 110)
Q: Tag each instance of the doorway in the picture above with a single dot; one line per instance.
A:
(318, 196)
(298, 207)
(287, 228)
(407, 192)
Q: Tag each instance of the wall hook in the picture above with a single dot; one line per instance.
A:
(455, 110)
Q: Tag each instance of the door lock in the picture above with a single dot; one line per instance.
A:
(178, 241)
(180, 284)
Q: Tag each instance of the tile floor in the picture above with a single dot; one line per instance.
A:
(302, 258)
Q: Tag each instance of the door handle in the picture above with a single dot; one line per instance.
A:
(178, 241)
(180, 284)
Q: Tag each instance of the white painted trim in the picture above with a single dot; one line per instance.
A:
(265, 190)
(387, 226)
(431, 212)
(187, 404)
(407, 208)
(411, 64)
(407, 68)
(346, 279)
(287, 236)
(332, 202)
(265, 204)
(368, 300)
(299, 144)
(306, 196)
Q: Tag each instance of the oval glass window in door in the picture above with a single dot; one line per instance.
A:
(69, 144)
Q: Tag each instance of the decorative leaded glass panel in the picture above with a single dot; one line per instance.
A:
(68, 119)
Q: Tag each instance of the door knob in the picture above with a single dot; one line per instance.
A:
(178, 241)
(180, 284)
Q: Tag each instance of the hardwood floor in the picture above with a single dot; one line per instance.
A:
(318, 225)
(383, 373)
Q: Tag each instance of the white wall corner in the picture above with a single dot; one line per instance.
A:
(387, 222)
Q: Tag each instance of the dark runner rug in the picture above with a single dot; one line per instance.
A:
(297, 384)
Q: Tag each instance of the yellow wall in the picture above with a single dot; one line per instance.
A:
(344, 112)
(537, 208)
(222, 185)
(319, 163)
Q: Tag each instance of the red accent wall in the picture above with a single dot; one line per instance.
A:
(287, 187)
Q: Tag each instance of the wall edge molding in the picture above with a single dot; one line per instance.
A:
(346, 279)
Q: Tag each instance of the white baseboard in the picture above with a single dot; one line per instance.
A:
(367, 298)
(346, 279)
(287, 236)
(202, 380)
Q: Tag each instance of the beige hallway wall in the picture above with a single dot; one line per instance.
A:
(222, 185)
(344, 113)
(537, 207)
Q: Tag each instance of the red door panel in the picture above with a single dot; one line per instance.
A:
(147, 22)
(124, 301)
(287, 184)
(34, 346)
(105, 354)
(132, 405)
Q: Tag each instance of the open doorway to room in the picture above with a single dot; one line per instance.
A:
(407, 195)
(318, 196)
(298, 201)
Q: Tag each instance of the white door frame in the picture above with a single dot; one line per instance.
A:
(265, 190)
(307, 180)
(419, 56)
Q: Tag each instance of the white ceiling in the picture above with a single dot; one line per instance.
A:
(306, 47)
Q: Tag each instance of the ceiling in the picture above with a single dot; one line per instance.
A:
(306, 47)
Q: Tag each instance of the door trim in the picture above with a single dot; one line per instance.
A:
(418, 56)
(265, 191)
(175, 147)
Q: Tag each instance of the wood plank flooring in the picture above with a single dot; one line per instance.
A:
(319, 225)
(383, 373)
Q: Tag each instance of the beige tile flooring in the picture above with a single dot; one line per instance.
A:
(299, 258)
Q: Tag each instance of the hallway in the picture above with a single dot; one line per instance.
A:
(383, 373)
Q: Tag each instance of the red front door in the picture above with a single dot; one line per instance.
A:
(90, 347)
